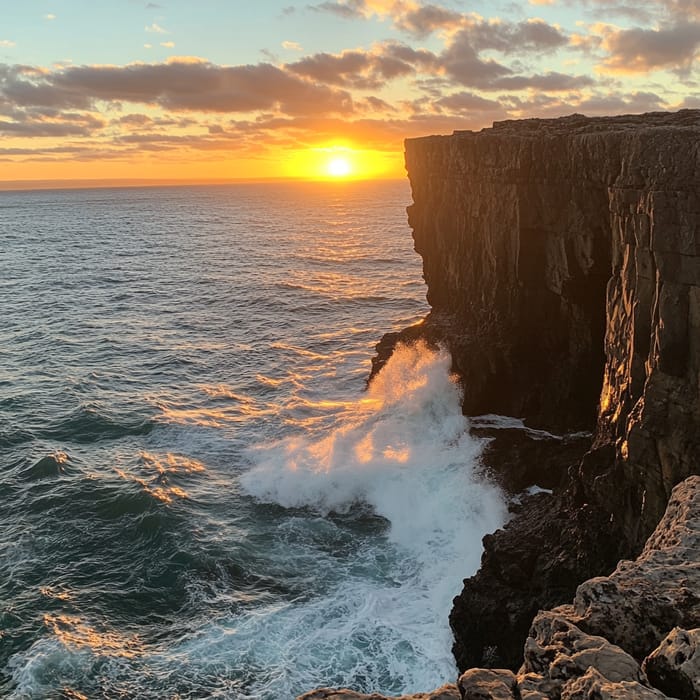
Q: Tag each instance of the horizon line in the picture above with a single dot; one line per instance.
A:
(114, 183)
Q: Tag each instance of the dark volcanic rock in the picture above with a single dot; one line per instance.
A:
(534, 563)
(562, 259)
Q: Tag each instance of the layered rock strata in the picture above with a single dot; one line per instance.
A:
(562, 259)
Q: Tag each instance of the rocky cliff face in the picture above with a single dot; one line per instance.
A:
(562, 259)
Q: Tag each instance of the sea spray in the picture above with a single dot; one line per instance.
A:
(404, 451)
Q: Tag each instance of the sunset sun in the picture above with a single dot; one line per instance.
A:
(339, 167)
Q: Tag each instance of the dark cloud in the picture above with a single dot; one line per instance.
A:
(179, 85)
(533, 35)
(33, 124)
(463, 65)
(549, 82)
(356, 69)
(544, 105)
(643, 50)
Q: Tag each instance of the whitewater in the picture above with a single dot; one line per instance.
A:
(201, 497)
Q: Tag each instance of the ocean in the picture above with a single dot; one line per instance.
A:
(200, 497)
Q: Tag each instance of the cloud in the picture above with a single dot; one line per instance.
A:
(338, 8)
(427, 19)
(292, 46)
(544, 105)
(549, 82)
(7, 44)
(644, 50)
(355, 69)
(155, 29)
(468, 102)
(168, 44)
(52, 124)
(50, 16)
(416, 18)
(180, 84)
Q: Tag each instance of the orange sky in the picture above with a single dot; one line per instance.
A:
(230, 91)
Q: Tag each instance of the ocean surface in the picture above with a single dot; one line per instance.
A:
(199, 498)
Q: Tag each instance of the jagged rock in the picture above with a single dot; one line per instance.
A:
(637, 605)
(487, 684)
(520, 458)
(558, 651)
(562, 258)
(586, 650)
(446, 692)
(594, 686)
(674, 666)
(522, 572)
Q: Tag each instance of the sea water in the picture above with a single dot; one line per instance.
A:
(200, 498)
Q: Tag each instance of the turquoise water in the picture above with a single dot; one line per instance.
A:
(199, 498)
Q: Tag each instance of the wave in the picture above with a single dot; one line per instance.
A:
(401, 452)
(90, 423)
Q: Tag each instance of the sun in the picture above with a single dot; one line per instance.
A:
(339, 167)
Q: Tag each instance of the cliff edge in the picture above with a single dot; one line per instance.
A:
(562, 258)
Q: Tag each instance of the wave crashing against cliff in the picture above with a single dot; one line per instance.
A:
(400, 464)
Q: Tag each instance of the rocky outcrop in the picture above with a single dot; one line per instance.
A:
(562, 259)
(623, 634)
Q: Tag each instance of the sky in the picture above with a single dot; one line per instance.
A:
(226, 89)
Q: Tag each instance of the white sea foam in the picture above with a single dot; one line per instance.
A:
(404, 450)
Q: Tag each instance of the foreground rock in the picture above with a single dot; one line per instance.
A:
(447, 692)
(622, 634)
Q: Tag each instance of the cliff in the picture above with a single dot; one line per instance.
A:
(562, 259)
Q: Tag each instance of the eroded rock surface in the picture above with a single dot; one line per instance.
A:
(674, 666)
(619, 639)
